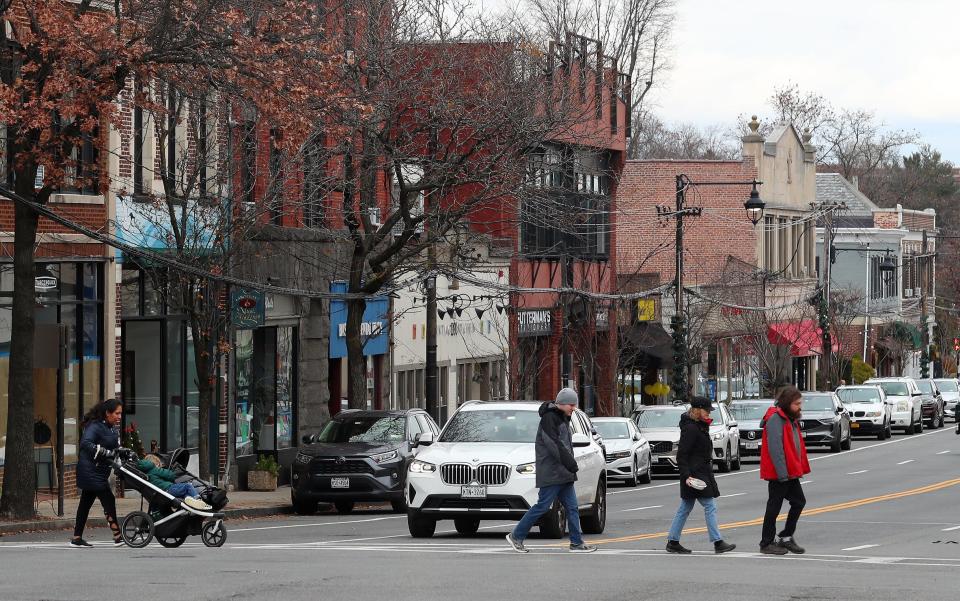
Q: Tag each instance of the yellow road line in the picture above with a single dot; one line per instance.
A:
(807, 512)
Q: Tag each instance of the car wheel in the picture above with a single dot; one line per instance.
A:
(736, 462)
(835, 445)
(889, 430)
(343, 506)
(304, 507)
(940, 422)
(399, 506)
(632, 480)
(847, 442)
(884, 433)
(723, 466)
(419, 526)
(645, 478)
(919, 427)
(466, 526)
(597, 520)
(553, 524)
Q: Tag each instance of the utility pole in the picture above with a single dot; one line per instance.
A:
(431, 392)
(824, 382)
(924, 334)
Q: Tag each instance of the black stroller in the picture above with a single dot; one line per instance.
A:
(168, 518)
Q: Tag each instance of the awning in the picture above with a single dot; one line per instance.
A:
(803, 337)
(648, 338)
(905, 333)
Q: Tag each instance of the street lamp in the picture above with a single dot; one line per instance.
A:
(754, 207)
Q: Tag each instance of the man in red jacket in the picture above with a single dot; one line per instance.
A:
(783, 461)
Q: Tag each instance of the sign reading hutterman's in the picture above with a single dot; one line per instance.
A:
(534, 323)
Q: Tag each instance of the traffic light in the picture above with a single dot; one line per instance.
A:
(956, 344)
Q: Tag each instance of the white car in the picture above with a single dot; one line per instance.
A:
(628, 452)
(483, 467)
(871, 412)
(951, 396)
(907, 411)
(660, 425)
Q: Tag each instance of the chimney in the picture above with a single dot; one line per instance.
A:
(753, 142)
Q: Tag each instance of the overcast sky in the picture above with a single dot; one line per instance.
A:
(898, 58)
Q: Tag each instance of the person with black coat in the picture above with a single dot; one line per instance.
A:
(695, 460)
(556, 472)
(98, 447)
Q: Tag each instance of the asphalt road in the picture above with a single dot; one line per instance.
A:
(882, 522)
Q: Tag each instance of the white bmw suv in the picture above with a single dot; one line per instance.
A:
(483, 467)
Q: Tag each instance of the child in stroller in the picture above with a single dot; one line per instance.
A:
(166, 480)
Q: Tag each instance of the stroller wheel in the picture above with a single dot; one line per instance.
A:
(171, 542)
(214, 533)
(137, 529)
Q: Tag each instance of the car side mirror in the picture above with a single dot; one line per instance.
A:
(917, 393)
(424, 440)
(732, 425)
(581, 440)
(308, 438)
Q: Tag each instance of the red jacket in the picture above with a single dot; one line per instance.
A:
(783, 456)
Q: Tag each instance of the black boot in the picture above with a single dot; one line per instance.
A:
(674, 546)
(723, 547)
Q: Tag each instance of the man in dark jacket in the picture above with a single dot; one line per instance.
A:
(556, 473)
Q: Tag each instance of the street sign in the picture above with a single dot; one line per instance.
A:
(646, 309)
(247, 308)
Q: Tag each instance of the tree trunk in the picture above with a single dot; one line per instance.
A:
(205, 387)
(18, 475)
(356, 361)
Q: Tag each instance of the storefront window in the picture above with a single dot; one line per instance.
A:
(141, 380)
(243, 353)
(266, 384)
(193, 396)
(285, 387)
(174, 364)
(92, 359)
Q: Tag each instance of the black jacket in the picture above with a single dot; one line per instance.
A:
(93, 470)
(695, 458)
(555, 461)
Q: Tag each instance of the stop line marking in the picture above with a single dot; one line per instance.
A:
(641, 508)
(859, 547)
(906, 462)
(857, 472)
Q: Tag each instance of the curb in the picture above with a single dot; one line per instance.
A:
(8, 528)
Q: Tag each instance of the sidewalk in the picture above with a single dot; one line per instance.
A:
(243, 504)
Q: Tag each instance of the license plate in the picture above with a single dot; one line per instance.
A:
(473, 491)
(339, 482)
(753, 445)
(854, 425)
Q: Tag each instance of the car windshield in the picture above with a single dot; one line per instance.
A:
(925, 386)
(612, 430)
(492, 426)
(947, 386)
(893, 388)
(660, 418)
(817, 402)
(367, 428)
(749, 411)
(859, 395)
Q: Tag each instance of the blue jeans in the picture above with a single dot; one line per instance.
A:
(709, 511)
(182, 490)
(545, 499)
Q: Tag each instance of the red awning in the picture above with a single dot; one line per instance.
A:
(803, 337)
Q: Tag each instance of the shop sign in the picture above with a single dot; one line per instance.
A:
(247, 308)
(374, 329)
(368, 329)
(602, 319)
(535, 323)
(45, 283)
(646, 309)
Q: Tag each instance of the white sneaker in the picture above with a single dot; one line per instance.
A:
(197, 504)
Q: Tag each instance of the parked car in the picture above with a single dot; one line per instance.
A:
(933, 404)
(358, 456)
(871, 412)
(483, 467)
(749, 413)
(627, 451)
(825, 421)
(951, 396)
(660, 425)
(907, 406)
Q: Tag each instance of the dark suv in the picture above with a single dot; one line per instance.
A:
(933, 405)
(358, 456)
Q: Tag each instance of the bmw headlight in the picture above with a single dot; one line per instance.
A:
(303, 459)
(828, 422)
(422, 467)
(618, 455)
(385, 457)
(903, 406)
(527, 468)
(873, 414)
(718, 436)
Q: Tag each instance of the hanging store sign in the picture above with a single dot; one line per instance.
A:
(602, 319)
(646, 309)
(45, 283)
(535, 323)
(247, 308)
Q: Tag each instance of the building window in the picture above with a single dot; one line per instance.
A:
(248, 162)
(266, 389)
(783, 246)
(138, 141)
(314, 180)
(769, 243)
(882, 284)
(275, 192)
